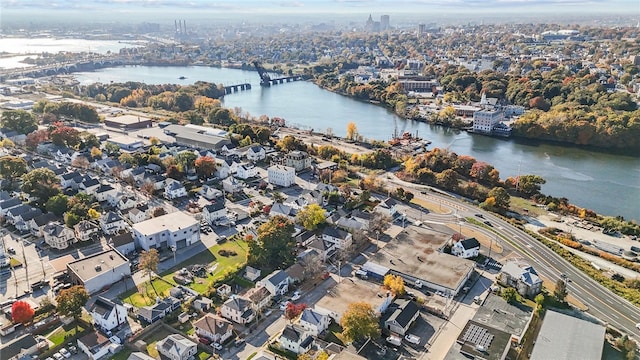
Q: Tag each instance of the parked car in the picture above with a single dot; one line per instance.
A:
(204, 340)
(394, 340)
(412, 339)
(64, 352)
(58, 356)
(284, 304)
(11, 251)
(217, 346)
(296, 295)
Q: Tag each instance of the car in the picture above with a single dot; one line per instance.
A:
(11, 251)
(284, 304)
(480, 216)
(488, 223)
(412, 339)
(394, 340)
(638, 326)
(239, 341)
(72, 348)
(217, 346)
(58, 356)
(296, 295)
(564, 276)
(204, 340)
(64, 352)
(267, 313)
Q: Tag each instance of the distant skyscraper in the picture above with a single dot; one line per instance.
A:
(368, 26)
(422, 28)
(384, 22)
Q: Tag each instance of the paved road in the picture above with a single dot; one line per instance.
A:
(602, 303)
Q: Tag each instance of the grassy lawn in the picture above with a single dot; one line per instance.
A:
(334, 334)
(60, 335)
(518, 204)
(146, 293)
(122, 354)
(201, 355)
(157, 335)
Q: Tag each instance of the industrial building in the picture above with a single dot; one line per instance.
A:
(99, 271)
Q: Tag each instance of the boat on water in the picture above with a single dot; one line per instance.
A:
(182, 77)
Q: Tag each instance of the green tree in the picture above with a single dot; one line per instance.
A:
(529, 184)
(12, 167)
(510, 295)
(58, 204)
(71, 301)
(311, 216)
(560, 292)
(41, 183)
(274, 246)
(111, 149)
(186, 159)
(193, 117)
(126, 158)
(498, 199)
(359, 322)
(19, 120)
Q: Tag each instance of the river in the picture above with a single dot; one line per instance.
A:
(607, 183)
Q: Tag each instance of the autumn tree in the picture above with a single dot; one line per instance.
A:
(560, 292)
(395, 283)
(529, 185)
(274, 246)
(293, 310)
(311, 216)
(65, 136)
(12, 167)
(159, 211)
(205, 166)
(80, 162)
(359, 322)
(41, 183)
(20, 121)
(290, 143)
(36, 137)
(21, 312)
(149, 261)
(352, 131)
(96, 153)
(497, 200)
(71, 301)
(174, 172)
(57, 204)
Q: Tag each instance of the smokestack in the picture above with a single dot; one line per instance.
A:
(184, 24)
(175, 25)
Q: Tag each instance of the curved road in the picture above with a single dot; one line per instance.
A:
(602, 303)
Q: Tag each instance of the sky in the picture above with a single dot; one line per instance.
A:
(326, 6)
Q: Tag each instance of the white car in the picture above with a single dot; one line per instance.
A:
(217, 346)
(638, 326)
(283, 305)
(64, 352)
(58, 356)
(296, 295)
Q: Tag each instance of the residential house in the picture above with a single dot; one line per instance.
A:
(162, 308)
(252, 273)
(295, 339)
(210, 193)
(107, 314)
(58, 236)
(104, 192)
(67, 180)
(387, 207)
(305, 238)
(340, 238)
(296, 202)
(86, 230)
(324, 249)
(256, 153)
(14, 214)
(138, 174)
(173, 189)
(89, 185)
(259, 297)
(177, 347)
(362, 217)
(95, 345)
(214, 212)
(139, 214)
(39, 222)
(202, 304)
(521, 276)
(313, 197)
(232, 185)
(111, 223)
(277, 282)
(280, 175)
(281, 209)
(127, 202)
(20, 348)
(225, 167)
(124, 243)
(466, 248)
(296, 273)
(9, 204)
(314, 322)
(246, 171)
(237, 309)
(214, 328)
(158, 181)
(137, 355)
(298, 160)
(349, 223)
(21, 222)
(403, 316)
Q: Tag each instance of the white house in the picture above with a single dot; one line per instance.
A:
(313, 321)
(127, 202)
(246, 171)
(214, 328)
(295, 339)
(85, 230)
(225, 167)
(256, 153)
(387, 207)
(67, 180)
(95, 345)
(467, 248)
(104, 192)
(232, 185)
(259, 296)
(214, 212)
(177, 347)
(108, 315)
(521, 276)
(237, 309)
(173, 189)
(340, 238)
(404, 315)
(39, 222)
(139, 214)
(171, 230)
(58, 236)
(277, 282)
(210, 193)
(281, 175)
(111, 223)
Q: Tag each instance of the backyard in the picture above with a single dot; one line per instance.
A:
(219, 260)
(62, 333)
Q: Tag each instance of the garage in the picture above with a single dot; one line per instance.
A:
(181, 243)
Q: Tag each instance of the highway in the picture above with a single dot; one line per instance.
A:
(601, 302)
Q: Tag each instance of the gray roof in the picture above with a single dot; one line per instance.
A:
(404, 313)
(311, 316)
(15, 347)
(102, 306)
(335, 232)
(276, 277)
(290, 333)
(566, 337)
(237, 304)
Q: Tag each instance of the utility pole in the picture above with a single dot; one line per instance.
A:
(26, 265)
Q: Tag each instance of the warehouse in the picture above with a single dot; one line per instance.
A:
(196, 137)
(127, 122)
(99, 271)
